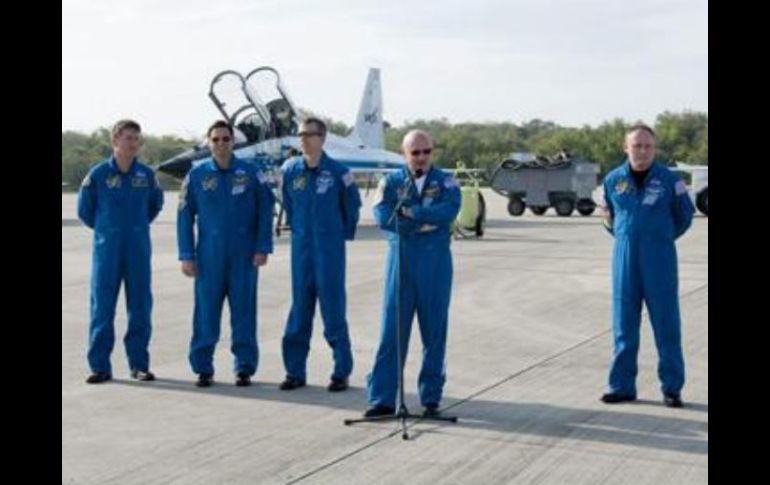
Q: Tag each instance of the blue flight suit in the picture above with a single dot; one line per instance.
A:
(426, 280)
(646, 221)
(234, 212)
(322, 207)
(119, 207)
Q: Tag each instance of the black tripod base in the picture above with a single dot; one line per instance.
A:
(402, 415)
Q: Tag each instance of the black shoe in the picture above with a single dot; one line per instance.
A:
(431, 410)
(379, 411)
(337, 385)
(616, 397)
(142, 375)
(291, 383)
(243, 380)
(99, 377)
(205, 380)
(672, 400)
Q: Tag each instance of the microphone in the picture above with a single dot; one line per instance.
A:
(406, 186)
(410, 179)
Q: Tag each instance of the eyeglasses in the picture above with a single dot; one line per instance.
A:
(224, 139)
(307, 134)
(426, 151)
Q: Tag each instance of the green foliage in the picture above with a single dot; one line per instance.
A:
(681, 136)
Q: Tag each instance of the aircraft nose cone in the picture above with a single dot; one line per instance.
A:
(177, 166)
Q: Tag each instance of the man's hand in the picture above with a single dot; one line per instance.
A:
(606, 218)
(189, 269)
(406, 212)
(260, 260)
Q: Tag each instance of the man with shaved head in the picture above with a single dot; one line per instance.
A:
(425, 201)
(646, 208)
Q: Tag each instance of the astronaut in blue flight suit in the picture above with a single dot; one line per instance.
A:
(322, 206)
(646, 209)
(233, 207)
(118, 199)
(432, 201)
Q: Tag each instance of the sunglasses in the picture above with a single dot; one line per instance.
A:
(426, 151)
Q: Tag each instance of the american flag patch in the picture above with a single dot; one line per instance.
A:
(347, 179)
(680, 187)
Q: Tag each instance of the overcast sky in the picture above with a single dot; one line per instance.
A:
(573, 62)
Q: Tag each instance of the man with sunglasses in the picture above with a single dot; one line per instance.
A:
(426, 201)
(118, 199)
(233, 208)
(322, 206)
